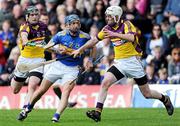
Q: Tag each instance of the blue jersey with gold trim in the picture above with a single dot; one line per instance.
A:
(71, 43)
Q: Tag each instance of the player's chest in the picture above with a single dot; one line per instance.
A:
(73, 43)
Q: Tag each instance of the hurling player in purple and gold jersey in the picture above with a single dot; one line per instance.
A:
(124, 37)
(31, 31)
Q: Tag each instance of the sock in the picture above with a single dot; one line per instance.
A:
(57, 115)
(29, 106)
(58, 92)
(163, 98)
(24, 106)
(99, 107)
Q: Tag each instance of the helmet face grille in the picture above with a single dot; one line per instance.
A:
(31, 9)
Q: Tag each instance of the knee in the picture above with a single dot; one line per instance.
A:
(105, 85)
(32, 86)
(15, 91)
(147, 95)
(67, 89)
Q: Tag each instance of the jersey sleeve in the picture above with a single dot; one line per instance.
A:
(131, 29)
(57, 38)
(24, 28)
(100, 35)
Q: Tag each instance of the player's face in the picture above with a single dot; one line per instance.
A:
(110, 20)
(75, 26)
(33, 18)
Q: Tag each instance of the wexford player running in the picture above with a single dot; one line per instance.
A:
(66, 69)
(31, 31)
(127, 52)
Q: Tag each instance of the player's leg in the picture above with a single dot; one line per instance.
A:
(45, 85)
(69, 73)
(148, 93)
(67, 88)
(58, 92)
(112, 75)
(136, 71)
(34, 80)
(17, 83)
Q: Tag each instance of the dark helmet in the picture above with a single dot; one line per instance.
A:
(31, 9)
(69, 19)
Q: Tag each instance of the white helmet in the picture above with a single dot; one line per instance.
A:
(114, 11)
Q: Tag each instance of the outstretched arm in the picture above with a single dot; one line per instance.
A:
(89, 44)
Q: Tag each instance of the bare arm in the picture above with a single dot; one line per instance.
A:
(24, 36)
(110, 34)
(89, 44)
(129, 37)
(49, 45)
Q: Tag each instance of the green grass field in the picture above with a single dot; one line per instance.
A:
(110, 117)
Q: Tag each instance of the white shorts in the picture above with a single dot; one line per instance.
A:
(130, 67)
(61, 72)
(28, 61)
(46, 68)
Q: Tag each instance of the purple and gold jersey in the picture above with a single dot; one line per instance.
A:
(37, 35)
(123, 48)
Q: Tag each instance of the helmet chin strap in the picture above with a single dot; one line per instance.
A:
(117, 21)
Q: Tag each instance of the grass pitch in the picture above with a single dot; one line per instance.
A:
(110, 117)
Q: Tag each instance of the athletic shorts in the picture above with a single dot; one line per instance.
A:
(61, 72)
(130, 67)
(23, 60)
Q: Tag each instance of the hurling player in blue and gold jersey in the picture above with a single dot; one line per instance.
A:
(31, 31)
(65, 69)
(124, 37)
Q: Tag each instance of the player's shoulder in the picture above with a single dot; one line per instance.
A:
(84, 35)
(24, 26)
(62, 33)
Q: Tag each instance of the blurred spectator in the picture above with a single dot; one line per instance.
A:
(24, 4)
(45, 19)
(152, 78)
(167, 29)
(174, 40)
(156, 10)
(51, 10)
(10, 66)
(114, 2)
(90, 76)
(157, 39)
(174, 66)
(61, 14)
(172, 11)
(158, 60)
(130, 12)
(5, 13)
(53, 29)
(8, 38)
(163, 76)
(18, 18)
(41, 8)
(2, 57)
(98, 14)
(85, 7)
(71, 7)
(141, 6)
